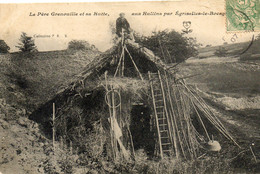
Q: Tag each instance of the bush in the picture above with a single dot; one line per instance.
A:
(26, 43)
(4, 48)
(221, 52)
(80, 45)
(171, 46)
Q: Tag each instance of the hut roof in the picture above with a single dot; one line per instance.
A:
(104, 60)
(88, 79)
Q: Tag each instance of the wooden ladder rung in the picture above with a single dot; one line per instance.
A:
(164, 131)
(168, 150)
(163, 124)
(161, 118)
(165, 144)
(158, 95)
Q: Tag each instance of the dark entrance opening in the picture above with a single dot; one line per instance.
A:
(141, 129)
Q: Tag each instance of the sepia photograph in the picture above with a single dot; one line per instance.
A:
(165, 87)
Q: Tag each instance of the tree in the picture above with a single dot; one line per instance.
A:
(26, 43)
(4, 48)
(221, 52)
(171, 46)
(80, 45)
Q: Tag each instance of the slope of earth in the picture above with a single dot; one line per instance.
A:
(233, 49)
(24, 150)
(39, 76)
(232, 88)
(26, 81)
(21, 147)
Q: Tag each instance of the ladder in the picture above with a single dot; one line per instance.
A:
(161, 113)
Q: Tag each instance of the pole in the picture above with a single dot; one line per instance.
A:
(53, 126)
(134, 63)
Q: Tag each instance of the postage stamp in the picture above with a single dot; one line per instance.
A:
(242, 15)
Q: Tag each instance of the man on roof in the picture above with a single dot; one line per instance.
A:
(122, 25)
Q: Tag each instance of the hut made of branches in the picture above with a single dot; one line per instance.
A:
(116, 91)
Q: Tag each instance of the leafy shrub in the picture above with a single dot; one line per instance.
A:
(26, 43)
(221, 52)
(171, 46)
(80, 45)
(4, 48)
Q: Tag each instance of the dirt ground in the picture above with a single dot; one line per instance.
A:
(22, 147)
(25, 83)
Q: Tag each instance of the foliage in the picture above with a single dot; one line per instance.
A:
(221, 52)
(80, 45)
(4, 48)
(171, 46)
(26, 43)
(209, 164)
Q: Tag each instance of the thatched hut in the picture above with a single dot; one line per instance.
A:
(134, 96)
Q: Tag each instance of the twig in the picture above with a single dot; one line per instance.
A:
(202, 156)
(238, 154)
(253, 154)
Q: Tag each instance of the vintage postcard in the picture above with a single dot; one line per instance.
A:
(130, 87)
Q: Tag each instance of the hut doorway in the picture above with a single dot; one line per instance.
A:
(141, 128)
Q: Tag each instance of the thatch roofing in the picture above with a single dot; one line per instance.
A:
(88, 79)
(104, 59)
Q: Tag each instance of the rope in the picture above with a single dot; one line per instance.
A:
(106, 98)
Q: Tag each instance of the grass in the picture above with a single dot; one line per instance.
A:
(233, 49)
(39, 76)
(235, 79)
(232, 78)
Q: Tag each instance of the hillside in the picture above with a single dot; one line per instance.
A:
(32, 79)
(231, 86)
(26, 81)
(233, 49)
